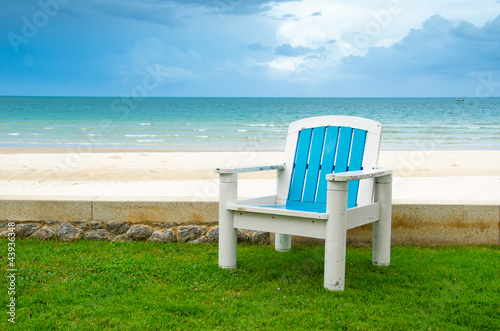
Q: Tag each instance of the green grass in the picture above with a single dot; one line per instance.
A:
(88, 285)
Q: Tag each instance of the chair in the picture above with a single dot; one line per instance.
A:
(328, 184)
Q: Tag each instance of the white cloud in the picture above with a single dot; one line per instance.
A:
(287, 64)
(359, 25)
(353, 28)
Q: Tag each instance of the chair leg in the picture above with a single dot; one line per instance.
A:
(282, 242)
(335, 241)
(381, 250)
(227, 232)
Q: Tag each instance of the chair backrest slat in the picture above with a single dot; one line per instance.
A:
(344, 147)
(330, 149)
(321, 150)
(318, 140)
(300, 165)
(355, 163)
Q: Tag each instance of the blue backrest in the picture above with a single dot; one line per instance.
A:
(320, 151)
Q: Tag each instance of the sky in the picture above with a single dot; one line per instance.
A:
(243, 48)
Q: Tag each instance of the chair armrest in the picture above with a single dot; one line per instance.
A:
(355, 175)
(238, 169)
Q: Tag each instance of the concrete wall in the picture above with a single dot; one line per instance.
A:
(411, 224)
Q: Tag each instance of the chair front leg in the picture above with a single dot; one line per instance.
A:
(282, 242)
(381, 250)
(335, 240)
(227, 233)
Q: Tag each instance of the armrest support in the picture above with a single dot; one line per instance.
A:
(238, 169)
(355, 175)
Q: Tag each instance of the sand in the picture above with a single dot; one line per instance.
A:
(437, 177)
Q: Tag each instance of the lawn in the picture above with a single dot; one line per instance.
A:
(88, 285)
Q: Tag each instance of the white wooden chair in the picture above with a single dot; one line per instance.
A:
(328, 184)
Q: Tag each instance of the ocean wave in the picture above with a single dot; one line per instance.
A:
(201, 136)
(140, 135)
(242, 130)
(14, 134)
(149, 140)
(144, 123)
(262, 125)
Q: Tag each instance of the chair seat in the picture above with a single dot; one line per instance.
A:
(274, 209)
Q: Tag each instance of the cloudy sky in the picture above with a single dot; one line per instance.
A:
(250, 48)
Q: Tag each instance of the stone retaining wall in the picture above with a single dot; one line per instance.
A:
(126, 231)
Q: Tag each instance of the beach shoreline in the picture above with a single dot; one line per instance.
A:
(98, 149)
(431, 176)
(84, 149)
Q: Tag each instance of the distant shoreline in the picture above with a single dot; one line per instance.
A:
(454, 97)
(99, 150)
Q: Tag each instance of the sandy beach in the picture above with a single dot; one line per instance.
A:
(426, 176)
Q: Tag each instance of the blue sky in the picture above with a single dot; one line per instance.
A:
(250, 48)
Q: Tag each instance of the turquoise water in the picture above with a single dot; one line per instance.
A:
(240, 123)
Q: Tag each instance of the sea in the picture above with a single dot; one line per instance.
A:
(239, 123)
